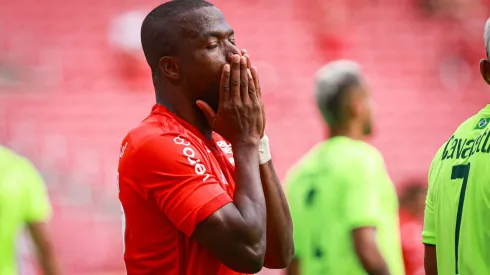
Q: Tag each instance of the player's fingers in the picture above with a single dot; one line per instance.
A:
(252, 91)
(244, 80)
(243, 51)
(255, 76)
(224, 93)
(207, 111)
(235, 78)
(249, 61)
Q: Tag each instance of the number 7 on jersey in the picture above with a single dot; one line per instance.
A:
(459, 172)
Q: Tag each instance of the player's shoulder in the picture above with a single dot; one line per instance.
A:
(161, 127)
(358, 150)
(12, 159)
(467, 131)
(19, 167)
(306, 162)
(468, 126)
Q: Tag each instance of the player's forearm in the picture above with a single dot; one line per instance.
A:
(47, 259)
(293, 268)
(373, 263)
(367, 251)
(249, 195)
(45, 249)
(430, 259)
(280, 247)
(49, 265)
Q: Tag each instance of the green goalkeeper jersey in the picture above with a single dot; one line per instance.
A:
(457, 214)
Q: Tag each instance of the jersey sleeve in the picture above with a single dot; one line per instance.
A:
(428, 234)
(361, 194)
(36, 205)
(177, 176)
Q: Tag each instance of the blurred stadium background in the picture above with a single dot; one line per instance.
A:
(73, 81)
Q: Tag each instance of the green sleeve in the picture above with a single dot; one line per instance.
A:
(429, 234)
(36, 206)
(361, 195)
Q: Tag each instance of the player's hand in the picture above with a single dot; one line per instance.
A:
(255, 76)
(239, 117)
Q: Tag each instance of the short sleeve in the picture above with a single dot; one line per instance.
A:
(361, 194)
(176, 173)
(36, 205)
(428, 234)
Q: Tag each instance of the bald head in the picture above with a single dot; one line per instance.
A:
(163, 28)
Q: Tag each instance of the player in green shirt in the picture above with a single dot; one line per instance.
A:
(457, 213)
(343, 203)
(23, 202)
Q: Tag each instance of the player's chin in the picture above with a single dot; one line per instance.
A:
(214, 100)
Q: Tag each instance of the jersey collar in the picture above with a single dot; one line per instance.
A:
(164, 111)
(486, 110)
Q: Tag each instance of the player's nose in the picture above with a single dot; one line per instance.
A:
(232, 50)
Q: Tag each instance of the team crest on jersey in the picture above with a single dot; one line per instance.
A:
(225, 147)
(482, 123)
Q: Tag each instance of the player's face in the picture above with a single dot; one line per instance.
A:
(211, 46)
(485, 70)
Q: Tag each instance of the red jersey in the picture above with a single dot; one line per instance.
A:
(170, 179)
(412, 246)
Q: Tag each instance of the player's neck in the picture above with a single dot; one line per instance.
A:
(187, 111)
(351, 131)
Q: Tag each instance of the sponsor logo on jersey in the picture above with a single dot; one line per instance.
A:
(190, 155)
(482, 123)
(225, 147)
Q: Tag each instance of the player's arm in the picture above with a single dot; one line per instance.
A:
(361, 210)
(295, 201)
(293, 268)
(364, 239)
(37, 211)
(236, 232)
(177, 175)
(430, 259)
(280, 245)
(44, 244)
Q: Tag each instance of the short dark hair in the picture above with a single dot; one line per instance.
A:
(160, 30)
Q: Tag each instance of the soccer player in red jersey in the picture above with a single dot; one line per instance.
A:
(198, 189)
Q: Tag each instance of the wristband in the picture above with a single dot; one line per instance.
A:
(264, 151)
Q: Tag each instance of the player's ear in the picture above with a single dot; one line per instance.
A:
(357, 103)
(485, 70)
(169, 67)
